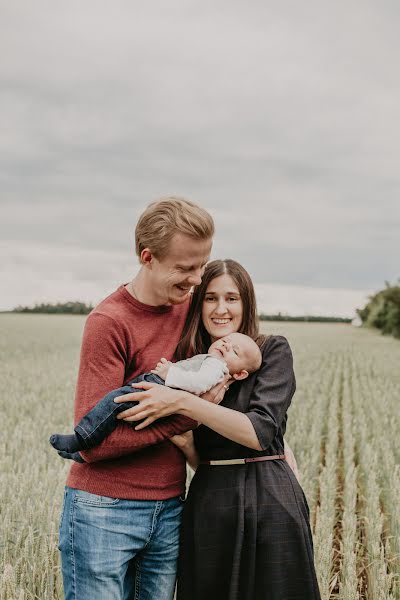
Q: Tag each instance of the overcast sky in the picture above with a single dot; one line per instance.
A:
(281, 118)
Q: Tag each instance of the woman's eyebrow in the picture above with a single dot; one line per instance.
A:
(224, 294)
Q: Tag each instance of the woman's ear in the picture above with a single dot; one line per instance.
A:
(241, 375)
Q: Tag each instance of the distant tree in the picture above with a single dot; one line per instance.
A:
(383, 310)
(306, 318)
(71, 308)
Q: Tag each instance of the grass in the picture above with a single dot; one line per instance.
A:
(343, 427)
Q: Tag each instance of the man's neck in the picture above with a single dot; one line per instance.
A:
(141, 289)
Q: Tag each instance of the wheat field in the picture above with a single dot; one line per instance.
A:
(343, 427)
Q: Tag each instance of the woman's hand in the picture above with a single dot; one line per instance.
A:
(217, 393)
(155, 401)
(291, 460)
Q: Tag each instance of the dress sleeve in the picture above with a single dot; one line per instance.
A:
(102, 369)
(211, 372)
(273, 390)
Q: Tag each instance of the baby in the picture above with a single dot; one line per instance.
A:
(236, 355)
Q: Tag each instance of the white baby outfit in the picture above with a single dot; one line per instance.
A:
(197, 374)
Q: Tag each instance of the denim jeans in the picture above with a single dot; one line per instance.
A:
(114, 549)
(99, 422)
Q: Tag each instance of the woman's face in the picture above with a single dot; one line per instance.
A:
(222, 311)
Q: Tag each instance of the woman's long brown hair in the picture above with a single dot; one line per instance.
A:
(195, 339)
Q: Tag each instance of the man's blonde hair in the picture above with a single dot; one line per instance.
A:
(164, 218)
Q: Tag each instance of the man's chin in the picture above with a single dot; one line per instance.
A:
(179, 298)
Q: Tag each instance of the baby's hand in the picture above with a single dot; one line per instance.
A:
(162, 368)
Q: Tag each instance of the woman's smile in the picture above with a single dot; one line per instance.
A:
(222, 310)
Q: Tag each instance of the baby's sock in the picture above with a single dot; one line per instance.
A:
(67, 443)
(71, 455)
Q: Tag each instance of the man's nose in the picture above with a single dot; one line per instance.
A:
(194, 279)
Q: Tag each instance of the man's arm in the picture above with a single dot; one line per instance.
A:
(102, 369)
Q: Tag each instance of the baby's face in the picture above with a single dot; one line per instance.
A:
(238, 351)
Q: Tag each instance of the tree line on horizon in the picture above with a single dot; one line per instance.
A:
(304, 318)
(383, 310)
(70, 308)
(80, 308)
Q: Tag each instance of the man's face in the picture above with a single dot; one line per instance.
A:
(173, 275)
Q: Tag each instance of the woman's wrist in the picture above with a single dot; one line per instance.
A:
(185, 403)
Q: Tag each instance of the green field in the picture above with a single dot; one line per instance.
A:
(343, 427)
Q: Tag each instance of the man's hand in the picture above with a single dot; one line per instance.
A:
(185, 443)
(162, 368)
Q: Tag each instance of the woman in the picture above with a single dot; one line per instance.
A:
(245, 532)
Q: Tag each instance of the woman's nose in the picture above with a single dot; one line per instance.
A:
(220, 309)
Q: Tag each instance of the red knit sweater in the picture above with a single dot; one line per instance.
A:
(123, 338)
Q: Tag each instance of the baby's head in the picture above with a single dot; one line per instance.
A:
(240, 352)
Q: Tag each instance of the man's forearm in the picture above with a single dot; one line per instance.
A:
(125, 440)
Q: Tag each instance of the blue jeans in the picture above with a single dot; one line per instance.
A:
(115, 549)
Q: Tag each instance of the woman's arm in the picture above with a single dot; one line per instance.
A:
(159, 401)
(255, 429)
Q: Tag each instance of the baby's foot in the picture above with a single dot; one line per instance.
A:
(71, 456)
(67, 443)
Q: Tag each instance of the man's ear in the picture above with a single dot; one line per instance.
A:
(241, 375)
(146, 257)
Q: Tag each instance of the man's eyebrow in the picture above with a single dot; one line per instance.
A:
(188, 267)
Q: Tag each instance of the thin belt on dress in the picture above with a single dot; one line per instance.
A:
(242, 461)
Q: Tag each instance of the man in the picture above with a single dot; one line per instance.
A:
(120, 526)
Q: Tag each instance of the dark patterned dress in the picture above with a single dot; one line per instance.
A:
(246, 532)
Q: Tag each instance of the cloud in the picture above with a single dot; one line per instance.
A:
(282, 120)
(302, 300)
(36, 276)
